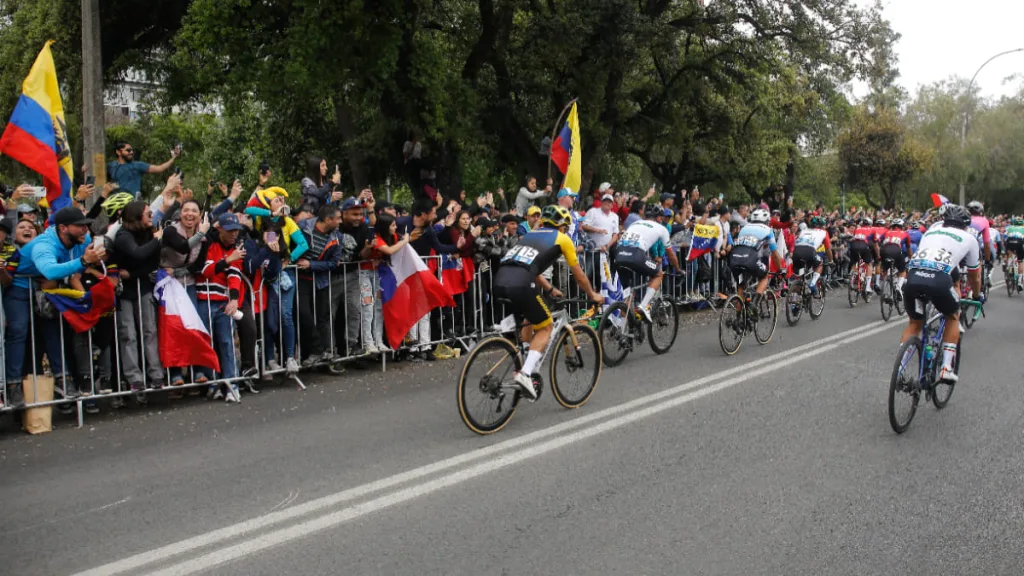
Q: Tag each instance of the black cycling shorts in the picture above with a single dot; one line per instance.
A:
(519, 287)
(805, 257)
(895, 253)
(860, 250)
(634, 266)
(1015, 246)
(746, 261)
(930, 286)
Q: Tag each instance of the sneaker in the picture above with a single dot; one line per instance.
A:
(251, 372)
(212, 391)
(814, 290)
(525, 382)
(116, 403)
(948, 376)
(273, 366)
(233, 395)
(66, 409)
(645, 311)
(92, 407)
(250, 387)
(138, 387)
(291, 366)
(372, 350)
(313, 360)
(218, 393)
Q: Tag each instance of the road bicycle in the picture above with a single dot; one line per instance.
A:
(488, 394)
(753, 313)
(801, 297)
(857, 288)
(1011, 276)
(622, 326)
(917, 369)
(891, 296)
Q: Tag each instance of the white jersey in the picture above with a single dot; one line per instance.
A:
(812, 237)
(943, 247)
(645, 235)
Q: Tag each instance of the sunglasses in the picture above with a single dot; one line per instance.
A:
(128, 150)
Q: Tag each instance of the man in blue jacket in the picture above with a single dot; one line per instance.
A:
(315, 267)
(60, 252)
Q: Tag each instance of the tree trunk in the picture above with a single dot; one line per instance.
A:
(356, 156)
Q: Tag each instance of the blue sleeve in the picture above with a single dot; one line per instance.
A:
(46, 263)
(441, 248)
(299, 245)
(221, 208)
(141, 167)
(257, 211)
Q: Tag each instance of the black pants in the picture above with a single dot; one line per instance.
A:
(314, 318)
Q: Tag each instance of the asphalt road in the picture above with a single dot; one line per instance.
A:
(779, 460)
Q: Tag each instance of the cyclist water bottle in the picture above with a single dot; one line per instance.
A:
(929, 353)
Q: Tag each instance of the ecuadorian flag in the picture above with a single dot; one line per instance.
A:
(566, 151)
(36, 136)
(705, 237)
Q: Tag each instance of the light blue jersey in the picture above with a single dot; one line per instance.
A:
(756, 236)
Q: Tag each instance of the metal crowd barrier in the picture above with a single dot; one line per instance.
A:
(475, 316)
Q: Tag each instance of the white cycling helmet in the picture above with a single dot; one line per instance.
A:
(759, 216)
(975, 208)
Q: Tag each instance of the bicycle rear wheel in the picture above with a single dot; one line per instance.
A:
(1011, 284)
(615, 343)
(901, 305)
(853, 289)
(732, 324)
(487, 395)
(943, 391)
(903, 389)
(966, 315)
(575, 372)
(665, 326)
(767, 307)
(794, 306)
(817, 307)
(886, 299)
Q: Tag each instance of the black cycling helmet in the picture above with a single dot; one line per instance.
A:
(975, 208)
(652, 211)
(956, 216)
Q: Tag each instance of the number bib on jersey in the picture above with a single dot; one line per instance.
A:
(521, 254)
(748, 241)
(938, 259)
(630, 240)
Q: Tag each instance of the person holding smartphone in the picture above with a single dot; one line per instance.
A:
(127, 172)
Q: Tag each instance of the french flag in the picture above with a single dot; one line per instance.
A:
(939, 200)
(456, 273)
(409, 291)
(183, 337)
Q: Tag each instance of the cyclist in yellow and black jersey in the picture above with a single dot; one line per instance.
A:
(519, 280)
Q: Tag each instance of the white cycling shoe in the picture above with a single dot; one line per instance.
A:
(525, 382)
(948, 376)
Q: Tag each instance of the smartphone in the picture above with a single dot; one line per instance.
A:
(721, 196)
(39, 192)
(264, 167)
(213, 183)
(90, 180)
(271, 237)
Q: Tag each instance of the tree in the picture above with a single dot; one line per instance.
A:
(876, 154)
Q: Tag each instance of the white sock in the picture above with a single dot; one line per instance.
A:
(815, 277)
(877, 279)
(948, 355)
(531, 361)
(648, 296)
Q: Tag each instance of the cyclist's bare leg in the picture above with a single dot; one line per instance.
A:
(762, 285)
(913, 329)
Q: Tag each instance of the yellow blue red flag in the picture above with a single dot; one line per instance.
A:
(36, 136)
(566, 151)
(705, 237)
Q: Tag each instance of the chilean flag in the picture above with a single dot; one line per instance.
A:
(939, 200)
(456, 273)
(184, 340)
(409, 291)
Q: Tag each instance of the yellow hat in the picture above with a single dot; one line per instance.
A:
(532, 211)
(268, 194)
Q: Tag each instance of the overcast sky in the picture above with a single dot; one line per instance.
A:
(942, 38)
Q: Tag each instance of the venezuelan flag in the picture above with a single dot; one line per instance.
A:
(566, 151)
(705, 237)
(83, 310)
(36, 136)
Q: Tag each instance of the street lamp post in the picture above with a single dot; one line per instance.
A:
(963, 127)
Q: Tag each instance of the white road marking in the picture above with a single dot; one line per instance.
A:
(313, 507)
(295, 531)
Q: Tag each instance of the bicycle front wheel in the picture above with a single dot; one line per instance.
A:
(794, 307)
(615, 341)
(817, 307)
(903, 385)
(664, 327)
(767, 310)
(943, 391)
(487, 391)
(966, 315)
(732, 324)
(575, 371)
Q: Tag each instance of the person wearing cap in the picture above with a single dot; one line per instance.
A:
(385, 207)
(528, 193)
(356, 279)
(601, 225)
(220, 294)
(314, 302)
(532, 217)
(28, 212)
(567, 199)
(63, 250)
